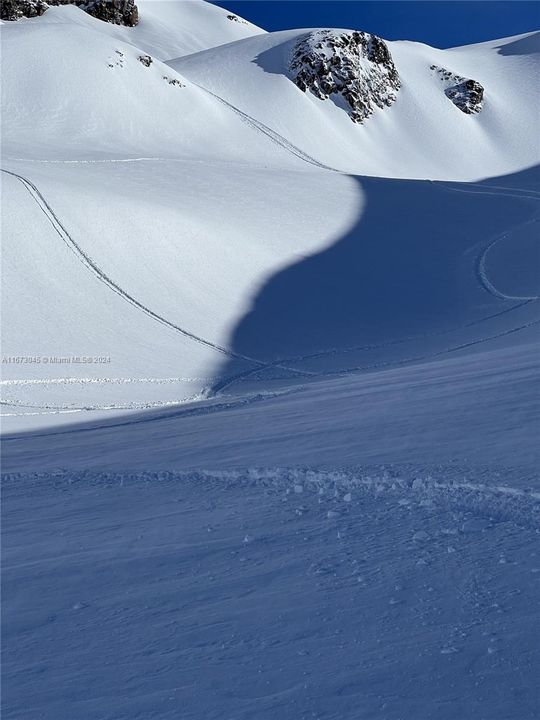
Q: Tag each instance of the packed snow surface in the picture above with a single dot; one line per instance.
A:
(266, 592)
(269, 377)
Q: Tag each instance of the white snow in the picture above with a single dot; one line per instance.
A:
(268, 379)
(422, 135)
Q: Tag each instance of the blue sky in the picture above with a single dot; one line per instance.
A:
(436, 22)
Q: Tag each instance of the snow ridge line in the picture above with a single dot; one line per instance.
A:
(407, 487)
(102, 277)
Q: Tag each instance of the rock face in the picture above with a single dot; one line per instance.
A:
(354, 69)
(119, 12)
(146, 60)
(16, 9)
(466, 94)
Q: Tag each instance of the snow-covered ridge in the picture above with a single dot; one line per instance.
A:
(285, 81)
(354, 67)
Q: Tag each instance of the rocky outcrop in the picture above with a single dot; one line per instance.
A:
(466, 94)
(354, 69)
(118, 12)
(235, 18)
(16, 9)
(145, 60)
(173, 81)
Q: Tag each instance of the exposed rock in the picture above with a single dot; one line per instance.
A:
(16, 9)
(118, 12)
(235, 18)
(353, 66)
(146, 60)
(466, 94)
(173, 81)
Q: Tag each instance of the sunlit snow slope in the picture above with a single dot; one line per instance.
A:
(192, 229)
(422, 135)
(269, 377)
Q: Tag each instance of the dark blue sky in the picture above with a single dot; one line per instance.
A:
(436, 22)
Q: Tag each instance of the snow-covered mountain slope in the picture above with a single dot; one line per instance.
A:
(131, 236)
(169, 29)
(88, 94)
(163, 28)
(471, 415)
(203, 232)
(269, 428)
(328, 292)
(422, 134)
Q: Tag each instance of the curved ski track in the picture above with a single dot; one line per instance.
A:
(89, 263)
(261, 366)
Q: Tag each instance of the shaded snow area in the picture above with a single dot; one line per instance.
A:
(266, 593)
(270, 408)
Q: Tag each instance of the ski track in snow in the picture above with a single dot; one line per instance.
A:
(105, 380)
(182, 412)
(482, 271)
(520, 193)
(96, 270)
(254, 124)
(274, 136)
(102, 277)
(261, 365)
(383, 365)
(227, 382)
(11, 402)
